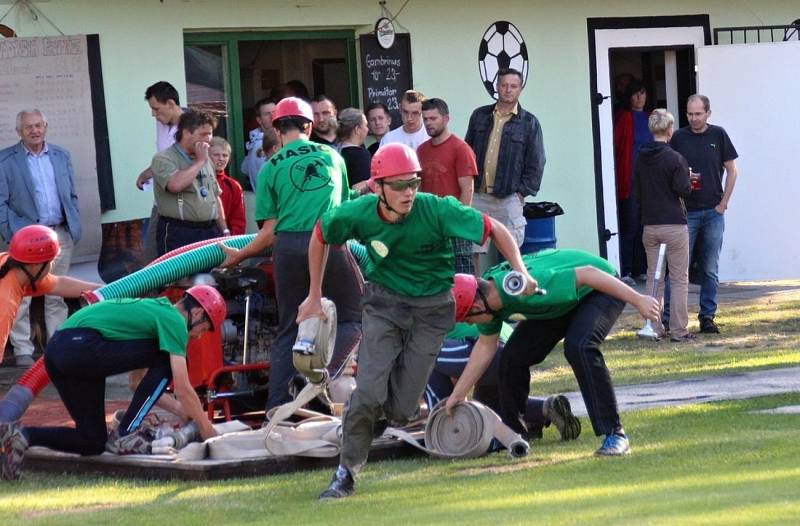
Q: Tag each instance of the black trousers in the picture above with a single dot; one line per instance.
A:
(78, 362)
(172, 234)
(342, 284)
(583, 330)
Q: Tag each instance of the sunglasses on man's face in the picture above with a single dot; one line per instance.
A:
(400, 186)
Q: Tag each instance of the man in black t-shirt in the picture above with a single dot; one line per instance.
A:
(709, 152)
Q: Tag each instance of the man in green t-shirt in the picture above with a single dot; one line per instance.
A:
(295, 187)
(110, 338)
(583, 301)
(407, 307)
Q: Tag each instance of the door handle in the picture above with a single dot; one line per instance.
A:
(607, 234)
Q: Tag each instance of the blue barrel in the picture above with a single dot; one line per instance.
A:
(539, 234)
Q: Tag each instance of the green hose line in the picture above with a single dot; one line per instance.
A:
(201, 259)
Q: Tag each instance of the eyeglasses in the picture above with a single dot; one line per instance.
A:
(400, 186)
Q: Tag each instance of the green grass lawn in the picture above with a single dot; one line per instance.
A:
(753, 337)
(715, 463)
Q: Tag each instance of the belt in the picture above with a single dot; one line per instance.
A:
(189, 224)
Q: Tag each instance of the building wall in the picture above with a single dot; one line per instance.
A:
(141, 42)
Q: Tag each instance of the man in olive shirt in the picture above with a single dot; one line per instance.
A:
(186, 189)
(508, 145)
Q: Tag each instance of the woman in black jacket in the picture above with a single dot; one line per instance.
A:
(660, 182)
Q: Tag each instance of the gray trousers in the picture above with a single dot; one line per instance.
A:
(402, 337)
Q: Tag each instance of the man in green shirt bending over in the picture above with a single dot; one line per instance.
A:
(110, 338)
(583, 301)
(408, 306)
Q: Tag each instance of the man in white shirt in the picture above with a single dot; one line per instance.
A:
(256, 156)
(412, 133)
(164, 102)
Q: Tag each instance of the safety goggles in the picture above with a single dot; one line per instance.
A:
(404, 184)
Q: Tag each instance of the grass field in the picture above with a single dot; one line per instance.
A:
(715, 463)
(702, 464)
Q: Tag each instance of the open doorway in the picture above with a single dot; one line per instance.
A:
(228, 72)
(658, 48)
(643, 79)
(265, 67)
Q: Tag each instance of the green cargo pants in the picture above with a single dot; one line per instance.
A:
(402, 337)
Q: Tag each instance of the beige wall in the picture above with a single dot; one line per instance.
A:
(141, 42)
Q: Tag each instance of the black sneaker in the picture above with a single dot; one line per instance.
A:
(342, 485)
(708, 325)
(560, 414)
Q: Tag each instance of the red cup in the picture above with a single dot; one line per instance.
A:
(694, 178)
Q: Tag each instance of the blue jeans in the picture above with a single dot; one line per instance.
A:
(705, 227)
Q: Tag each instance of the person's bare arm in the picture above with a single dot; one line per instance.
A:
(467, 186)
(647, 306)
(68, 287)
(730, 181)
(221, 221)
(187, 397)
(263, 240)
(507, 246)
(145, 176)
(480, 358)
(317, 259)
(181, 179)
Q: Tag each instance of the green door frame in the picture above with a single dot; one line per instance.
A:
(231, 39)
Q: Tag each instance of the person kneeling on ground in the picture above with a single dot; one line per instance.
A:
(110, 338)
(583, 301)
(408, 306)
(450, 363)
(25, 271)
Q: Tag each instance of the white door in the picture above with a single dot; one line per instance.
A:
(606, 39)
(753, 92)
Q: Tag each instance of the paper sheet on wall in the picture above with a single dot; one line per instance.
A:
(52, 74)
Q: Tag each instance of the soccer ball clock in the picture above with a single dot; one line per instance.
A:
(501, 47)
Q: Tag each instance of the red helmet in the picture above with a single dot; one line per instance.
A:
(292, 107)
(34, 244)
(464, 291)
(212, 302)
(394, 159)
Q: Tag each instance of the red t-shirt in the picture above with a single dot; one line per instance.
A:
(443, 164)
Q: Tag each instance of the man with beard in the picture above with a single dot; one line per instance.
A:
(324, 120)
(448, 168)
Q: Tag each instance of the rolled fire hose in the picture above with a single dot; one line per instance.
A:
(468, 433)
(204, 256)
(311, 354)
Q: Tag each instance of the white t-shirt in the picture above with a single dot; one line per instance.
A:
(409, 139)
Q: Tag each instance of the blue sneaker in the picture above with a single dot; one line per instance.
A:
(614, 446)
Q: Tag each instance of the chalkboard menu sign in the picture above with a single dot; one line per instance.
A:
(386, 73)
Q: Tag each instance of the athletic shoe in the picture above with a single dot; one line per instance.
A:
(342, 485)
(560, 414)
(628, 280)
(614, 446)
(12, 450)
(708, 325)
(24, 360)
(688, 337)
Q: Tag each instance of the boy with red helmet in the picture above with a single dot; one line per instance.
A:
(583, 301)
(25, 271)
(295, 187)
(407, 307)
(110, 338)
